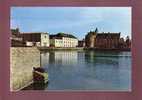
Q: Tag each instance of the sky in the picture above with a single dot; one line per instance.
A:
(72, 20)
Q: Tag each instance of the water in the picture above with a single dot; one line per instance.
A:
(87, 70)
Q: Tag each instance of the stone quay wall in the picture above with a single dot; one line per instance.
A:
(22, 61)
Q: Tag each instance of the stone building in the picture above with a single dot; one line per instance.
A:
(90, 38)
(107, 40)
(36, 39)
(94, 39)
(63, 40)
(19, 39)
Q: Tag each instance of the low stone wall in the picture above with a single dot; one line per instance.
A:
(22, 61)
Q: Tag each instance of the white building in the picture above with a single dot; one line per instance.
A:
(63, 40)
(44, 39)
(69, 42)
(56, 42)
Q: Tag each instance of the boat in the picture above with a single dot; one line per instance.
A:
(40, 75)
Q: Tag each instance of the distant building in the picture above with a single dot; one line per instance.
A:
(90, 39)
(107, 40)
(102, 40)
(36, 39)
(81, 43)
(56, 41)
(63, 40)
(16, 39)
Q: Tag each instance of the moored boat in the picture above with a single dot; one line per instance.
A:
(40, 75)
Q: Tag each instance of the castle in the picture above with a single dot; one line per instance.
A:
(94, 39)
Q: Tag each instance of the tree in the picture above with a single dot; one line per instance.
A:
(96, 30)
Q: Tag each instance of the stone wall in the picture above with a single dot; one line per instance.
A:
(22, 61)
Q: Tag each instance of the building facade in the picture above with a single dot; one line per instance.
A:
(70, 42)
(63, 40)
(107, 40)
(44, 40)
(90, 39)
(56, 42)
(94, 39)
(36, 39)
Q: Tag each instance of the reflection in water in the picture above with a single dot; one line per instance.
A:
(44, 58)
(59, 57)
(88, 70)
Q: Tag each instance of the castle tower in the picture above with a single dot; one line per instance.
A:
(90, 38)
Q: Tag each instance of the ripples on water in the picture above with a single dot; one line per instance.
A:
(87, 70)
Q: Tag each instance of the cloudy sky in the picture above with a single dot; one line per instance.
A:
(75, 20)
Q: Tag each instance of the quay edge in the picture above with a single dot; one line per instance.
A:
(82, 48)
